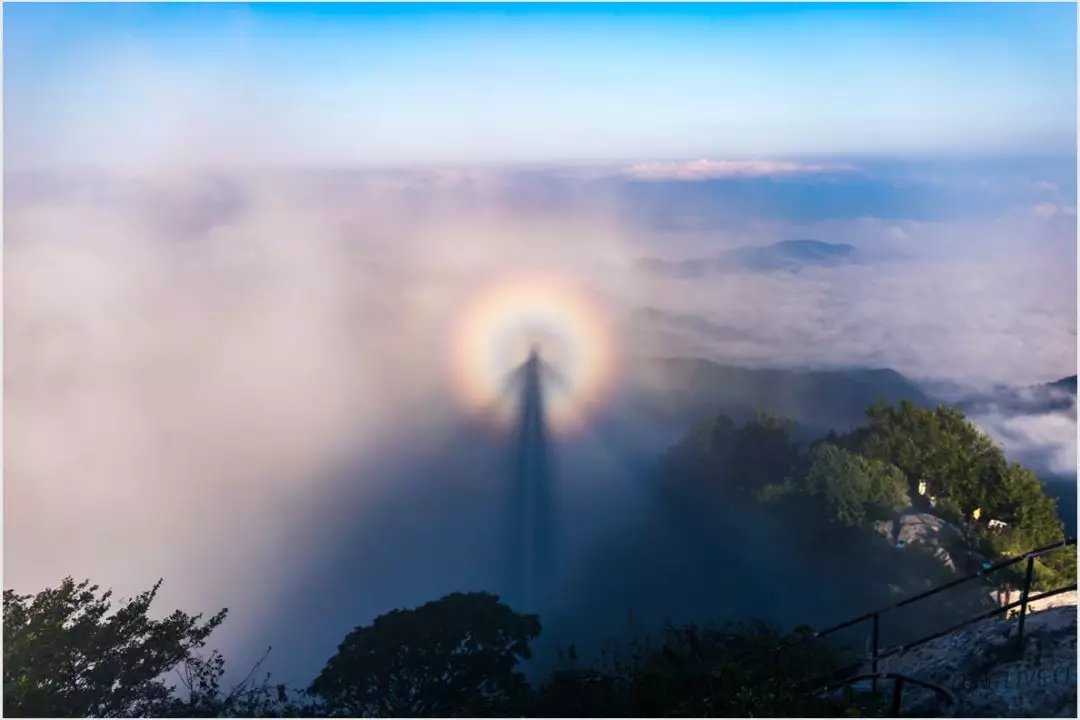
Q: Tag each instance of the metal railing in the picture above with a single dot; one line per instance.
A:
(943, 694)
(874, 617)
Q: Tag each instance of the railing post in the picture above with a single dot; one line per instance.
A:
(874, 650)
(897, 693)
(1023, 599)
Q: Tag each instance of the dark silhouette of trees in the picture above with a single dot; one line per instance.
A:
(582, 692)
(745, 670)
(451, 657)
(737, 670)
(718, 456)
(67, 654)
(763, 453)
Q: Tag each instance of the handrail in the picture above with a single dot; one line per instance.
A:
(996, 611)
(899, 681)
(987, 569)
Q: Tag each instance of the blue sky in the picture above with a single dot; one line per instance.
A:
(519, 83)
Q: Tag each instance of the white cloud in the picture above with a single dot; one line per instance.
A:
(1046, 440)
(1045, 211)
(898, 233)
(185, 377)
(717, 169)
(1047, 187)
(977, 303)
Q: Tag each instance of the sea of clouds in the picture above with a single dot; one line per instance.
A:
(194, 355)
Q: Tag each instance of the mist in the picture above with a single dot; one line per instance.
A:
(239, 380)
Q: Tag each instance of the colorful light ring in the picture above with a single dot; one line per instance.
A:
(500, 323)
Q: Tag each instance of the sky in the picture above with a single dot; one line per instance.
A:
(419, 83)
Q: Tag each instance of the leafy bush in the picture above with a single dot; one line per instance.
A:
(737, 670)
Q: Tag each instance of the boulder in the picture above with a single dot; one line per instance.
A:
(931, 534)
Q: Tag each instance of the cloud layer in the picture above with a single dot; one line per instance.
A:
(716, 169)
(194, 358)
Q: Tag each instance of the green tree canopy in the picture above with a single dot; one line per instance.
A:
(852, 486)
(450, 657)
(962, 467)
(965, 470)
(67, 654)
(718, 455)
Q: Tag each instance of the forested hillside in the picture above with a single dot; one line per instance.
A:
(754, 536)
(692, 389)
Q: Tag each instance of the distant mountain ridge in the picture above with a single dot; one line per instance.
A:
(818, 400)
(1067, 384)
(1057, 396)
(789, 255)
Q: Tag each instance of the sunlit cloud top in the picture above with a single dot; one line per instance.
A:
(340, 84)
(716, 169)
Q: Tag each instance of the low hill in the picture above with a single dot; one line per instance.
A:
(690, 389)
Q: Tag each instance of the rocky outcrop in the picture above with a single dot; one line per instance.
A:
(924, 532)
(994, 673)
(1060, 600)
